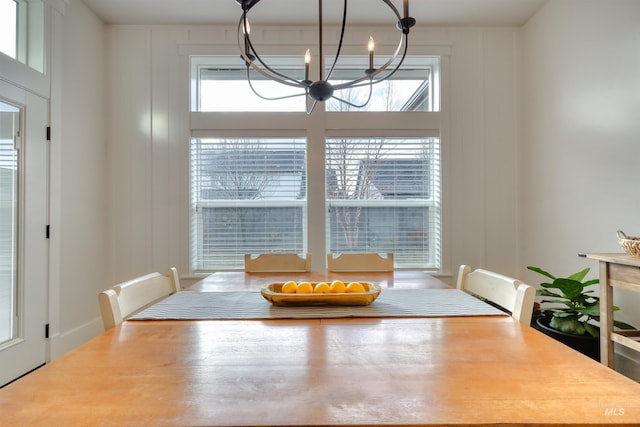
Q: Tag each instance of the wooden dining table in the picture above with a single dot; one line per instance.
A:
(429, 371)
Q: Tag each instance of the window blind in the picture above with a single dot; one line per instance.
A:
(9, 163)
(248, 196)
(383, 195)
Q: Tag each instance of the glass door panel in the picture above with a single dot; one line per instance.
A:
(23, 244)
(9, 131)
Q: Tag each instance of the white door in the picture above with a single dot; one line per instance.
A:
(23, 232)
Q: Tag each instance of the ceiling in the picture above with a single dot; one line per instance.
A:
(428, 12)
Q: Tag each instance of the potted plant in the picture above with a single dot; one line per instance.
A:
(572, 311)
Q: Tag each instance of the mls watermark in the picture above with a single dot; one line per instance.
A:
(617, 410)
(614, 412)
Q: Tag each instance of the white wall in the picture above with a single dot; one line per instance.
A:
(79, 203)
(580, 146)
(483, 86)
(148, 151)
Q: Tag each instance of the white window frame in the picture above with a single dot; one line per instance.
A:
(315, 128)
(30, 30)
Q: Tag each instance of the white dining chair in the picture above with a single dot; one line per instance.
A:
(126, 298)
(282, 263)
(359, 262)
(511, 294)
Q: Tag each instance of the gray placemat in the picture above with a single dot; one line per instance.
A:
(251, 305)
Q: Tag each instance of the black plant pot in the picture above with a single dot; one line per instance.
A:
(585, 344)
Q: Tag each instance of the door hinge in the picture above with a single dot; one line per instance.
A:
(46, 330)
(47, 232)
(48, 133)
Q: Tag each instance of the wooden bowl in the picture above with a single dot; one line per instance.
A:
(272, 293)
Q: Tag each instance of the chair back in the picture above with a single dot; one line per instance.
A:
(360, 262)
(124, 299)
(282, 263)
(509, 293)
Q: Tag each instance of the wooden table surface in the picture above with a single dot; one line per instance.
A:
(464, 371)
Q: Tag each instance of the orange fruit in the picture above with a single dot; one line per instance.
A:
(321, 288)
(289, 287)
(355, 287)
(337, 287)
(304, 288)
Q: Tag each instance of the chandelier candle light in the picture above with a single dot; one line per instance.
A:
(322, 89)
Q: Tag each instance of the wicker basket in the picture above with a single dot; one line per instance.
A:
(631, 245)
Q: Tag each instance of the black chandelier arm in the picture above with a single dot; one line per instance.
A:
(266, 98)
(344, 24)
(403, 24)
(403, 42)
(404, 54)
(272, 74)
(393, 8)
(313, 107)
(371, 75)
(247, 4)
(357, 105)
(360, 82)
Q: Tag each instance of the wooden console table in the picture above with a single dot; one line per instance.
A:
(619, 271)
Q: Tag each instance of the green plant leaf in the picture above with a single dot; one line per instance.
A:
(541, 271)
(579, 275)
(590, 291)
(597, 317)
(580, 305)
(547, 293)
(562, 313)
(592, 303)
(594, 331)
(623, 325)
(570, 325)
(593, 310)
(582, 299)
(570, 288)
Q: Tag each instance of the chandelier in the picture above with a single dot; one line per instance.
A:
(322, 89)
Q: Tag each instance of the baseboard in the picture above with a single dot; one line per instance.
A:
(61, 343)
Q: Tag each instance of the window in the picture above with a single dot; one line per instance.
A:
(375, 187)
(249, 196)
(8, 27)
(383, 196)
(410, 89)
(9, 128)
(22, 32)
